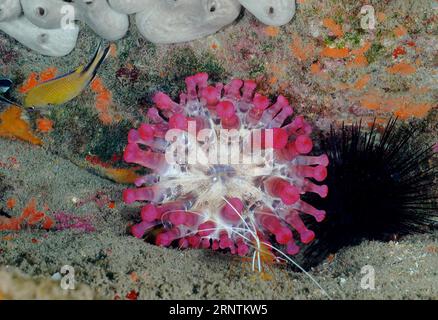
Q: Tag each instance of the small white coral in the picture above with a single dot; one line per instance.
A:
(105, 21)
(271, 12)
(129, 6)
(50, 42)
(49, 26)
(185, 20)
(97, 14)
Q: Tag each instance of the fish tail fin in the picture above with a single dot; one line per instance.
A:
(95, 63)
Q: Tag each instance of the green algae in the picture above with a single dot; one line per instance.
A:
(182, 63)
(374, 52)
(106, 148)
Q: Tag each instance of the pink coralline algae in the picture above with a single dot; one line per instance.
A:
(435, 148)
(228, 169)
(67, 221)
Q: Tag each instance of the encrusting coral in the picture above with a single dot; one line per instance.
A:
(103, 100)
(29, 217)
(49, 27)
(14, 127)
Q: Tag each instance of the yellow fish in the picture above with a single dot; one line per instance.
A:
(67, 87)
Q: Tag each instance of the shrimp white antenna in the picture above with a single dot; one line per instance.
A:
(283, 254)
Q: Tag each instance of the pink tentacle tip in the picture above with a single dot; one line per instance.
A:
(131, 150)
(205, 243)
(319, 215)
(324, 160)
(320, 173)
(146, 132)
(232, 90)
(289, 194)
(133, 136)
(194, 83)
(282, 189)
(249, 87)
(232, 210)
(283, 235)
(261, 102)
(139, 194)
(166, 238)
(194, 241)
(225, 109)
(178, 121)
(149, 213)
(129, 196)
(139, 230)
(201, 79)
(242, 250)
(163, 101)
(177, 218)
(211, 96)
(280, 138)
(154, 115)
(303, 144)
(206, 228)
(322, 191)
(307, 236)
(292, 249)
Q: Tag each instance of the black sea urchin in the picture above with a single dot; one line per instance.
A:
(381, 185)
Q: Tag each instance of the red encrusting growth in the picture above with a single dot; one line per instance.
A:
(29, 217)
(104, 100)
(231, 206)
(35, 79)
